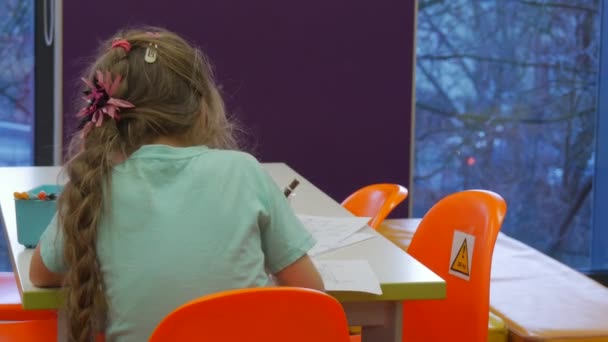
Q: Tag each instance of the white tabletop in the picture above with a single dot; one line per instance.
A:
(401, 277)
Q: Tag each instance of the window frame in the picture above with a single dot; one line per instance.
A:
(47, 84)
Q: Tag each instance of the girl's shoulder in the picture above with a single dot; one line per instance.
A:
(232, 161)
(234, 156)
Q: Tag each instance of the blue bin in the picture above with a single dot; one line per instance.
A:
(34, 215)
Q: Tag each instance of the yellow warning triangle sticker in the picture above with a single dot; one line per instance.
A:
(461, 261)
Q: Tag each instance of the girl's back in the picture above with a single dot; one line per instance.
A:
(186, 222)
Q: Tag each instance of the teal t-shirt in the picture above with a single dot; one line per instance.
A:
(185, 222)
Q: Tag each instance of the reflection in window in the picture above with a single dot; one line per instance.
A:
(16, 82)
(506, 101)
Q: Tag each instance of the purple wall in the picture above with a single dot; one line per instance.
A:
(324, 86)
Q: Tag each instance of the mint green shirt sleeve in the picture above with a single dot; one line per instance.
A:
(284, 238)
(51, 248)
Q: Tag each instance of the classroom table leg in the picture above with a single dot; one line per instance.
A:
(381, 321)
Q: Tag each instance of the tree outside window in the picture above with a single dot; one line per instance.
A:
(16, 82)
(506, 97)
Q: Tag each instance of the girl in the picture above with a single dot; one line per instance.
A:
(160, 208)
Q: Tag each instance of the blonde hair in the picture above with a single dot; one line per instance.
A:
(175, 97)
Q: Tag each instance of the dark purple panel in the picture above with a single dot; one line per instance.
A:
(324, 86)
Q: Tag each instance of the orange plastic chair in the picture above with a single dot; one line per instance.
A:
(29, 331)
(463, 315)
(10, 302)
(376, 201)
(269, 314)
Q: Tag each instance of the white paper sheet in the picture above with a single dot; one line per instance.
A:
(324, 248)
(348, 275)
(330, 231)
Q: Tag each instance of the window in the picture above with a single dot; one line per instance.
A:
(27, 88)
(17, 82)
(506, 100)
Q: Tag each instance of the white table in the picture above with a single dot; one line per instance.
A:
(401, 277)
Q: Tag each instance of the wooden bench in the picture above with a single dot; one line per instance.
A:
(537, 297)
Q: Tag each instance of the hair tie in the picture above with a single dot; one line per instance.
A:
(122, 43)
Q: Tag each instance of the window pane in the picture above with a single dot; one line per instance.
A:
(16, 82)
(599, 252)
(506, 100)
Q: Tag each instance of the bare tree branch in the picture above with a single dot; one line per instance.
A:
(424, 5)
(523, 64)
(559, 5)
(481, 118)
(450, 46)
(566, 225)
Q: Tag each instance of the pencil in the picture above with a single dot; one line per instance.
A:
(291, 187)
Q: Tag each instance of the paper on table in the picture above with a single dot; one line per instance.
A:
(329, 231)
(348, 275)
(324, 248)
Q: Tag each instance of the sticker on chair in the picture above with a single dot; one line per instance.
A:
(462, 255)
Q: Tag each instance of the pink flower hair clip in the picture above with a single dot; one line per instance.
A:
(101, 102)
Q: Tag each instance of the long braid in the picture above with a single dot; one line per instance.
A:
(80, 206)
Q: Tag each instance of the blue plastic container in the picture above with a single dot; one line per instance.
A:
(34, 215)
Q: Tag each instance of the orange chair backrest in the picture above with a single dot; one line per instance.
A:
(11, 308)
(376, 201)
(439, 244)
(269, 314)
(29, 331)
